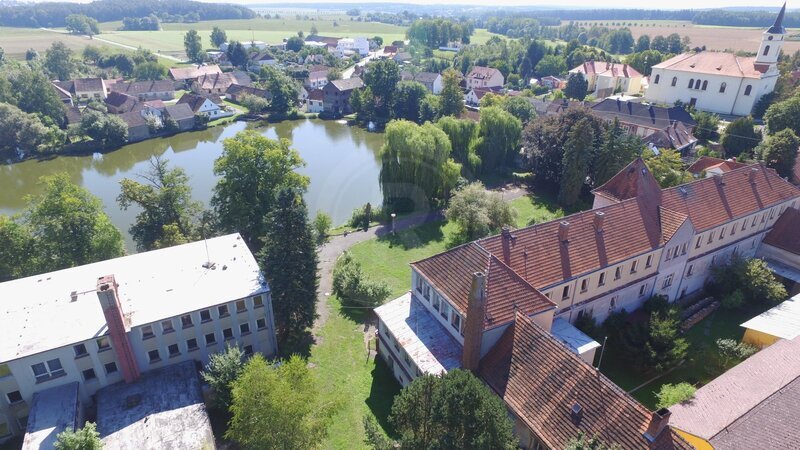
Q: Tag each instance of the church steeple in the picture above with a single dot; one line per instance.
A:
(771, 41)
(777, 27)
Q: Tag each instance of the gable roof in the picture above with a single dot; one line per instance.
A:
(88, 84)
(633, 180)
(179, 111)
(426, 77)
(195, 101)
(347, 84)
(186, 73)
(640, 114)
(706, 162)
(316, 94)
(712, 63)
(785, 234)
(142, 87)
(62, 89)
(121, 101)
(480, 72)
(676, 136)
(541, 380)
(238, 89)
(748, 402)
(602, 68)
(134, 119)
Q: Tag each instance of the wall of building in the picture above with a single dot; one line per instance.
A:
(758, 338)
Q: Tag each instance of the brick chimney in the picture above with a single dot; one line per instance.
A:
(473, 324)
(752, 175)
(108, 294)
(507, 240)
(563, 231)
(599, 218)
(659, 420)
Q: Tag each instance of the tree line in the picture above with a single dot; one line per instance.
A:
(436, 33)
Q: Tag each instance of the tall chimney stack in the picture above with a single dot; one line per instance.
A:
(752, 175)
(659, 420)
(473, 324)
(563, 231)
(108, 294)
(507, 240)
(599, 218)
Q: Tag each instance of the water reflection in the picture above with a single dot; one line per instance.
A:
(342, 162)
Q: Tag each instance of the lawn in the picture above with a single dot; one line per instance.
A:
(701, 366)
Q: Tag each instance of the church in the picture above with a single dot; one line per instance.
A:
(717, 82)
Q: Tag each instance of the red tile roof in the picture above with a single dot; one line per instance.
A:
(630, 182)
(607, 68)
(713, 63)
(785, 234)
(540, 379)
(706, 162)
(479, 72)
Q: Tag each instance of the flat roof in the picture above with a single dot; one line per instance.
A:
(422, 336)
(55, 309)
(782, 321)
(576, 339)
(53, 411)
(164, 409)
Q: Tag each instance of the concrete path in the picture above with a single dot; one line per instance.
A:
(106, 41)
(330, 251)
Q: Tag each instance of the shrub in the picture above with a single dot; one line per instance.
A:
(657, 304)
(322, 225)
(672, 394)
(732, 352)
(733, 300)
(363, 216)
(353, 287)
(587, 324)
(751, 277)
(223, 368)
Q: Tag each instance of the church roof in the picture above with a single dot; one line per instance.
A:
(777, 27)
(713, 63)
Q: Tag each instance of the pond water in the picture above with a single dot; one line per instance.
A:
(342, 162)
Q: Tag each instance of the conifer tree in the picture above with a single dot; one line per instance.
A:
(575, 163)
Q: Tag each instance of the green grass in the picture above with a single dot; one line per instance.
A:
(535, 208)
(348, 377)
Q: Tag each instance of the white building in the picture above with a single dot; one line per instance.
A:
(484, 77)
(606, 79)
(350, 46)
(718, 82)
(110, 321)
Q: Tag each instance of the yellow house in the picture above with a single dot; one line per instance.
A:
(780, 322)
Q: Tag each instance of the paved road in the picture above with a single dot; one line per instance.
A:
(348, 73)
(330, 251)
(129, 47)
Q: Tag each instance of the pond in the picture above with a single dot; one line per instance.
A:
(342, 162)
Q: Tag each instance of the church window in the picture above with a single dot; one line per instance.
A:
(766, 50)
(748, 89)
(705, 84)
(691, 83)
(658, 77)
(722, 87)
(674, 81)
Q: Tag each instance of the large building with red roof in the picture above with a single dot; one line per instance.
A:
(722, 83)
(638, 240)
(607, 78)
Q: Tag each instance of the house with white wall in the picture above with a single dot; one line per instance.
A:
(484, 77)
(352, 46)
(606, 78)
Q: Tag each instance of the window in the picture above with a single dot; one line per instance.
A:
(103, 344)
(658, 78)
(649, 261)
(642, 289)
(613, 304)
(79, 349)
(261, 323)
(205, 316)
(772, 213)
(547, 294)
(241, 306)
(47, 370)
(744, 224)
(186, 321)
(223, 310)
(691, 83)
(722, 87)
(427, 292)
(753, 244)
(455, 321)
(445, 310)
(697, 244)
(617, 273)
(14, 397)
(733, 230)
(766, 50)
(436, 302)
(89, 374)
(419, 284)
(690, 270)
(153, 356)
(602, 280)
(633, 266)
(565, 293)
(191, 344)
(173, 350)
(754, 222)
(710, 237)
(705, 85)
(244, 328)
(227, 333)
(166, 327)
(713, 260)
(668, 281)
(110, 368)
(748, 89)
(674, 81)
(147, 332)
(248, 350)
(669, 254)
(683, 248)
(258, 301)
(211, 339)
(584, 284)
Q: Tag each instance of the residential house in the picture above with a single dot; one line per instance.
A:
(182, 114)
(402, 57)
(235, 92)
(659, 126)
(138, 130)
(119, 319)
(207, 105)
(63, 94)
(146, 90)
(432, 81)
(352, 46)
(218, 83)
(336, 95)
(484, 77)
(261, 59)
(781, 250)
(314, 101)
(722, 83)
(553, 396)
(317, 77)
(73, 115)
(82, 90)
(473, 96)
(327, 42)
(606, 79)
(707, 166)
(185, 76)
(779, 322)
(388, 51)
(552, 82)
(118, 103)
(749, 406)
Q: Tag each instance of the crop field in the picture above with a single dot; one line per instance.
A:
(713, 37)
(16, 41)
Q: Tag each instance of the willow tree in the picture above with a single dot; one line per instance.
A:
(417, 170)
(499, 136)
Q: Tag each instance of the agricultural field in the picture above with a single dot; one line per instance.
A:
(713, 37)
(16, 41)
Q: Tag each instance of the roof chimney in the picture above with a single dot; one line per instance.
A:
(718, 179)
(108, 294)
(473, 323)
(563, 231)
(599, 218)
(752, 175)
(576, 414)
(507, 240)
(659, 420)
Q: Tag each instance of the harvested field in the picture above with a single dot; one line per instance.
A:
(16, 41)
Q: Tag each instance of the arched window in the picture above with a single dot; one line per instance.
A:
(691, 83)
(658, 77)
(766, 50)
(722, 87)
(705, 84)
(674, 81)
(748, 89)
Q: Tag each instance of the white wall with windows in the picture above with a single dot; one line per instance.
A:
(439, 306)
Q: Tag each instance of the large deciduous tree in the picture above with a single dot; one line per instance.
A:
(455, 410)
(578, 151)
(382, 78)
(237, 54)
(451, 101)
(168, 214)
(740, 136)
(785, 114)
(218, 36)
(289, 263)
(252, 169)
(58, 61)
(478, 212)
(407, 101)
(779, 151)
(666, 167)
(193, 46)
(461, 132)
(498, 138)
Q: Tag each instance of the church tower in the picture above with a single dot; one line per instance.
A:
(771, 42)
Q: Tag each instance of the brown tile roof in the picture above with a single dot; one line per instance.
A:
(670, 222)
(450, 274)
(607, 68)
(630, 182)
(123, 102)
(142, 87)
(710, 202)
(677, 136)
(316, 94)
(187, 73)
(540, 379)
(88, 84)
(785, 234)
(706, 162)
(347, 84)
(480, 73)
(712, 63)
